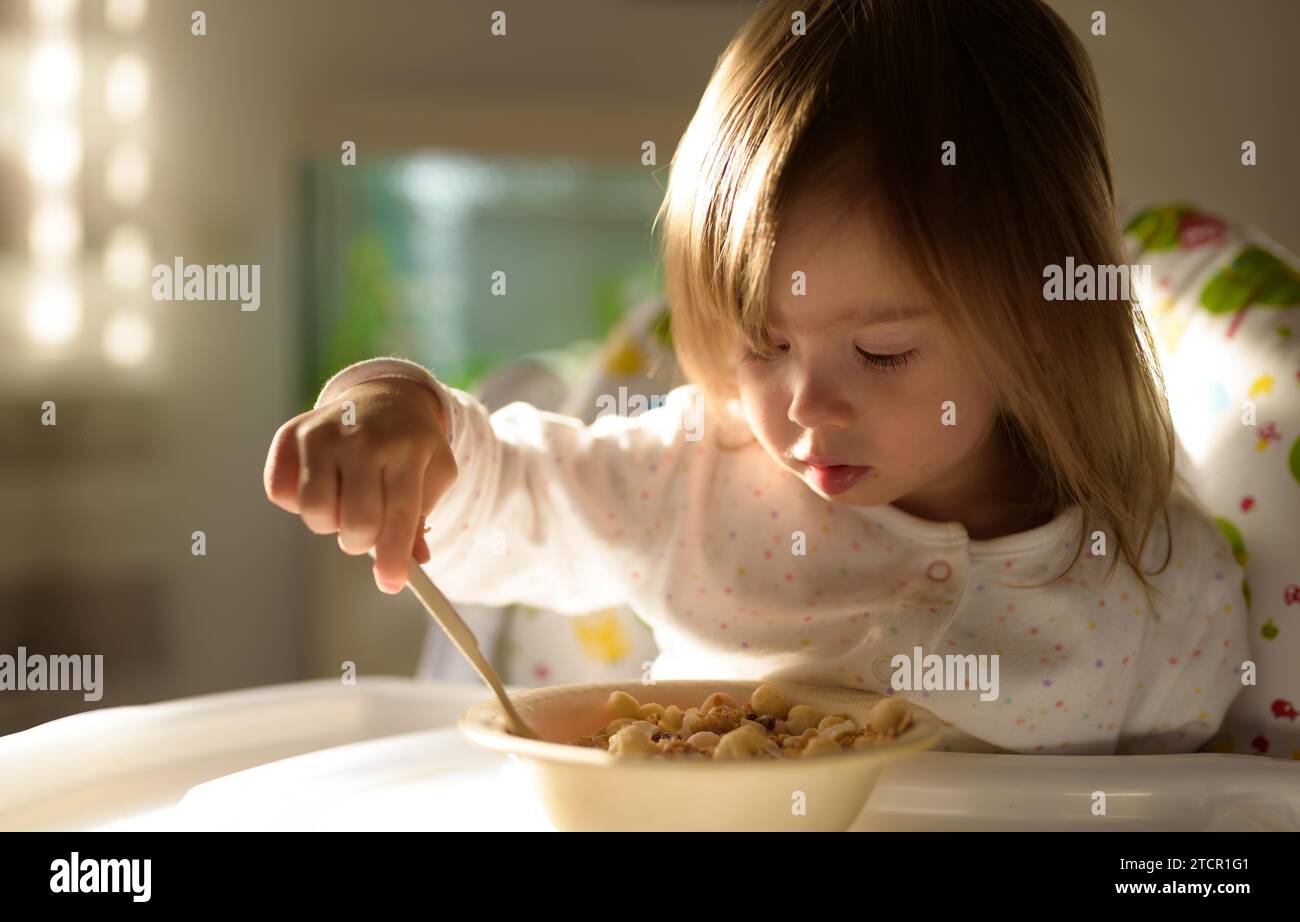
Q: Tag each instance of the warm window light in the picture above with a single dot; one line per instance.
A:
(55, 232)
(54, 75)
(126, 176)
(1138, 291)
(127, 258)
(54, 154)
(128, 339)
(53, 313)
(126, 88)
(125, 15)
(53, 12)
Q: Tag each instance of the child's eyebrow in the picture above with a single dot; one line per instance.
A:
(865, 316)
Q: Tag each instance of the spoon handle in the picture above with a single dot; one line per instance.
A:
(436, 604)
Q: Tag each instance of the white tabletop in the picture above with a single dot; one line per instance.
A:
(385, 754)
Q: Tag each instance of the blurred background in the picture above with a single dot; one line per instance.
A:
(128, 141)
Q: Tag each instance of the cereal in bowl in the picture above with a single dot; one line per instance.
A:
(764, 727)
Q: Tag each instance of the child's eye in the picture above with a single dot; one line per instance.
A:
(886, 362)
(756, 356)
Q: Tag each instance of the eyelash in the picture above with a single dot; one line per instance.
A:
(886, 363)
(894, 362)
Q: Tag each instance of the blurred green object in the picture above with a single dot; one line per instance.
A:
(477, 366)
(403, 257)
(367, 307)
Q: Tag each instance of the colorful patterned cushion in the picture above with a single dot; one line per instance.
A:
(1225, 309)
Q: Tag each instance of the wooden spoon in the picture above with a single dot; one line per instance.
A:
(449, 619)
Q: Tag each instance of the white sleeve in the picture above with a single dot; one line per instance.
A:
(547, 511)
(1192, 659)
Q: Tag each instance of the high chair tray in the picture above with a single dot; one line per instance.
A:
(385, 754)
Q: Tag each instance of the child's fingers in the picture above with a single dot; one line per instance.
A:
(280, 473)
(438, 476)
(401, 511)
(318, 496)
(420, 551)
(361, 506)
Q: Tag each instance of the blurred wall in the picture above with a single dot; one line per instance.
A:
(1185, 82)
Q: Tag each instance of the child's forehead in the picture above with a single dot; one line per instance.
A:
(835, 266)
(823, 208)
(847, 239)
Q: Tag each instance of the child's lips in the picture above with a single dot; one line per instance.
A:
(835, 478)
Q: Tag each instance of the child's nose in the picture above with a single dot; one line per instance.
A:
(817, 402)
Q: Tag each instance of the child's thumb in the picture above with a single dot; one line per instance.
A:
(280, 473)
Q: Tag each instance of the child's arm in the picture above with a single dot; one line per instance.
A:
(1191, 660)
(545, 510)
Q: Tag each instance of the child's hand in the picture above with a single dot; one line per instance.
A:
(371, 471)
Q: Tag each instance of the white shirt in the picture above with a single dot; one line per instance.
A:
(743, 572)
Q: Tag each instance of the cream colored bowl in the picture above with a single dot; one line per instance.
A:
(587, 789)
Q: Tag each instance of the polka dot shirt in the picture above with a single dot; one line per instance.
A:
(743, 572)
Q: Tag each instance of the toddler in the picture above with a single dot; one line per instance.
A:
(894, 448)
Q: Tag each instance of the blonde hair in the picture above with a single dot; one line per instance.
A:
(869, 94)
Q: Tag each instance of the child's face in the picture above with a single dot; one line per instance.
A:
(820, 396)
